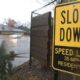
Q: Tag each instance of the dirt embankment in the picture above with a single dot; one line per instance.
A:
(35, 72)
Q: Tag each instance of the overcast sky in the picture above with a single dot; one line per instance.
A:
(20, 10)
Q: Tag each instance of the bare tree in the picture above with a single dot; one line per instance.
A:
(11, 22)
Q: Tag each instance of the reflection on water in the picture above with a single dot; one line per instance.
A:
(20, 60)
(22, 48)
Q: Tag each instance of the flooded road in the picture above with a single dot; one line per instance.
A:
(23, 49)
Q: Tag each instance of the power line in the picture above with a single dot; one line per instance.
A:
(44, 6)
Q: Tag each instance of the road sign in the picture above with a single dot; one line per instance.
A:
(66, 38)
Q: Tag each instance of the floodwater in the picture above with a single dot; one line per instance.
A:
(20, 46)
(23, 49)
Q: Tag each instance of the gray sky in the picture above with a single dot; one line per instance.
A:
(20, 10)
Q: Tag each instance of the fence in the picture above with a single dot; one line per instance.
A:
(41, 38)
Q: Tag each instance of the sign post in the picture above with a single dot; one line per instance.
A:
(66, 43)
